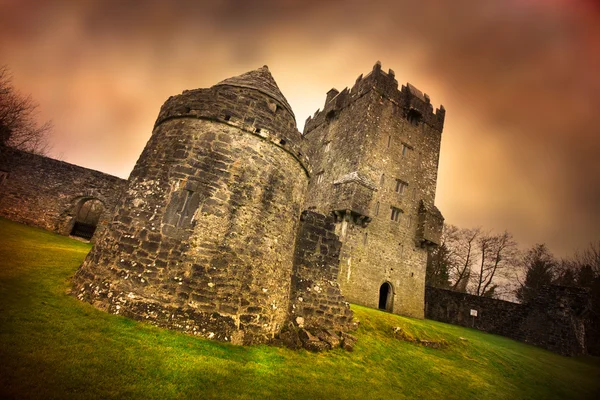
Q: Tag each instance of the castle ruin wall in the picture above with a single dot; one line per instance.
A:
(315, 292)
(48, 193)
(555, 320)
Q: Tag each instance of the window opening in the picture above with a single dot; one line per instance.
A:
(330, 115)
(182, 207)
(405, 149)
(319, 177)
(413, 117)
(395, 214)
(183, 212)
(400, 186)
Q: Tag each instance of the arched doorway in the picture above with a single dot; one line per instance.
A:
(386, 297)
(87, 218)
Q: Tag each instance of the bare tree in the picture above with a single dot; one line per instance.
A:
(496, 254)
(478, 262)
(461, 244)
(18, 125)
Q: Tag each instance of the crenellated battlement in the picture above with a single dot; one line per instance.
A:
(408, 98)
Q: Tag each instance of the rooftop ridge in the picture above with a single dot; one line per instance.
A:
(259, 79)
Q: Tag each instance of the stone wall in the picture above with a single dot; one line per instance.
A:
(554, 321)
(374, 149)
(48, 193)
(315, 292)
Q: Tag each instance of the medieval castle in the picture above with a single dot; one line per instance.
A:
(235, 226)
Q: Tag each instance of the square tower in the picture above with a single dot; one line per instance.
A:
(374, 151)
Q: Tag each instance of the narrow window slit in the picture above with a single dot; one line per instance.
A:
(395, 214)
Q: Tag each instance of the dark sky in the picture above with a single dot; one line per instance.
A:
(519, 81)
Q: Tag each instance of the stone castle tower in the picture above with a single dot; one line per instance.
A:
(204, 237)
(227, 225)
(374, 151)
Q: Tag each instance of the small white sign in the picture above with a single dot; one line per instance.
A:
(474, 313)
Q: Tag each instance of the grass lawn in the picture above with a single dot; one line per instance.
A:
(53, 346)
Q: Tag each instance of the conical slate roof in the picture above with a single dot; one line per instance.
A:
(261, 80)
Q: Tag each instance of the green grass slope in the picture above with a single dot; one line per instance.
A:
(54, 347)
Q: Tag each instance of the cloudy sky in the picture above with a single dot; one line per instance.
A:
(519, 80)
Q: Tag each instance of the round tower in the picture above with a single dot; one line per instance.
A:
(202, 240)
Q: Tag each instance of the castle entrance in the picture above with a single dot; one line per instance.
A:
(386, 297)
(87, 218)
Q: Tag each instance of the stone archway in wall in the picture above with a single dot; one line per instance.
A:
(85, 222)
(386, 297)
(67, 218)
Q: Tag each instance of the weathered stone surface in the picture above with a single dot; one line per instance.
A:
(374, 147)
(289, 338)
(555, 320)
(306, 336)
(204, 237)
(316, 346)
(312, 342)
(316, 300)
(330, 337)
(47, 193)
(348, 341)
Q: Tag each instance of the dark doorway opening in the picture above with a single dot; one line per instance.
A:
(87, 218)
(386, 297)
